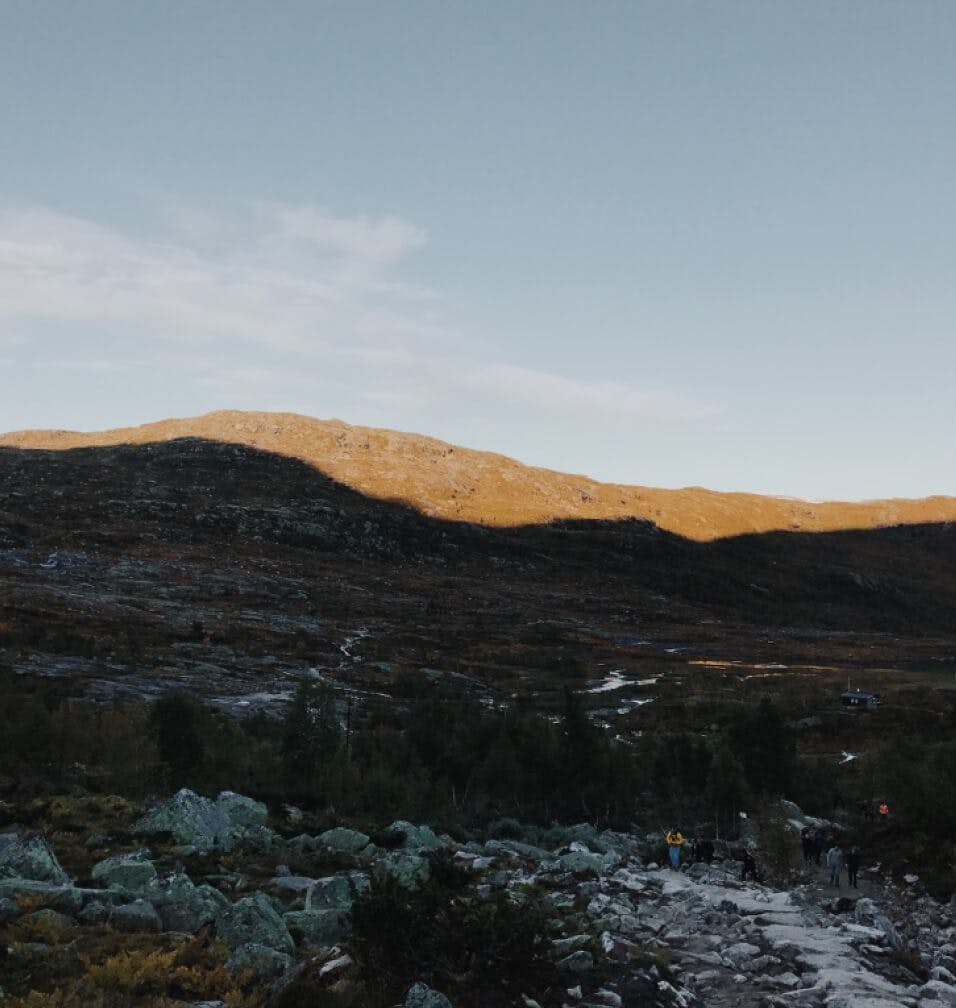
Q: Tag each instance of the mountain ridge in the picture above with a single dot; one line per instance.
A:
(448, 481)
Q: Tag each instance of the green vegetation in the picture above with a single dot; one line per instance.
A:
(436, 754)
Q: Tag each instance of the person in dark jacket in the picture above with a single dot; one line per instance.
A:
(853, 857)
(749, 867)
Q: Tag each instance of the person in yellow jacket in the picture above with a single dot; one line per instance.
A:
(675, 840)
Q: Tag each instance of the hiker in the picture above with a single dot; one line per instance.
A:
(853, 857)
(806, 844)
(819, 842)
(749, 868)
(675, 840)
(835, 864)
(705, 851)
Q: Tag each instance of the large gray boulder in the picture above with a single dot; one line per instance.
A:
(344, 841)
(254, 919)
(199, 822)
(125, 871)
(30, 857)
(418, 838)
(409, 870)
(335, 891)
(241, 811)
(192, 819)
(581, 863)
(183, 906)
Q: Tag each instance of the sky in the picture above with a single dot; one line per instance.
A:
(664, 243)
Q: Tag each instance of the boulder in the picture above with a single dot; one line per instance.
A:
(422, 996)
(409, 870)
(254, 919)
(125, 871)
(261, 962)
(136, 916)
(336, 891)
(183, 906)
(344, 841)
(319, 928)
(419, 838)
(581, 863)
(192, 819)
(241, 811)
(8, 910)
(30, 857)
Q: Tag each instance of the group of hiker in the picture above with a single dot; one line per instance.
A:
(703, 850)
(819, 847)
(814, 843)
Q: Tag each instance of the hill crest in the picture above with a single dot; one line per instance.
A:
(462, 484)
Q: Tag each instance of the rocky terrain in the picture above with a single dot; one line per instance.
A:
(140, 568)
(618, 928)
(446, 481)
(247, 554)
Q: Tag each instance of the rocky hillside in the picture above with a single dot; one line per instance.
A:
(568, 916)
(445, 481)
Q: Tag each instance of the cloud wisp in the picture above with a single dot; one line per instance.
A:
(275, 296)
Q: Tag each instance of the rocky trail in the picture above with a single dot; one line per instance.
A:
(623, 931)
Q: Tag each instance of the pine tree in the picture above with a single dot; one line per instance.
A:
(311, 736)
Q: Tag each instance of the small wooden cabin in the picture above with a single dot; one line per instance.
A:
(859, 698)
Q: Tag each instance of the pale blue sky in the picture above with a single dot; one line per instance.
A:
(665, 243)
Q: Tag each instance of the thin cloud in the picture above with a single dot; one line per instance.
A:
(546, 389)
(274, 295)
(295, 275)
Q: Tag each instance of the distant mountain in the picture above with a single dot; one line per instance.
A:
(446, 481)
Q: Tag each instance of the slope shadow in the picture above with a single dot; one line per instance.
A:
(194, 494)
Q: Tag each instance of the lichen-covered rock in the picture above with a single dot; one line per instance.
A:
(125, 871)
(241, 811)
(30, 857)
(135, 917)
(416, 837)
(254, 920)
(183, 906)
(192, 819)
(261, 962)
(344, 841)
(336, 891)
(581, 863)
(319, 928)
(409, 870)
(422, 996)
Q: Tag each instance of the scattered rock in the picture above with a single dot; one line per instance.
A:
(254, 920)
